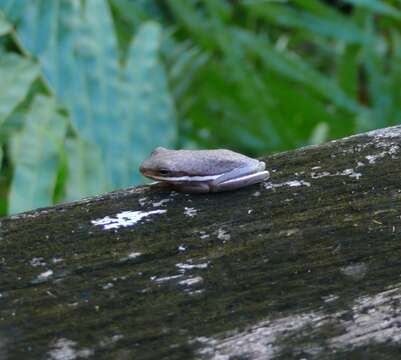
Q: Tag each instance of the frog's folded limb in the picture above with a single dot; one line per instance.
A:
(240, 182)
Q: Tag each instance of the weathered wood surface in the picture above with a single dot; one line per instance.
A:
(304, 266)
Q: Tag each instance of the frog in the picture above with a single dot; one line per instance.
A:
(203, 171)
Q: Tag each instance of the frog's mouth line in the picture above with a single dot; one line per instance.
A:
(183, 178)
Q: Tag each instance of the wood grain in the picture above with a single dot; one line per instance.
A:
(306, 265)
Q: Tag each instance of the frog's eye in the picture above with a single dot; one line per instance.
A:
(164, 172)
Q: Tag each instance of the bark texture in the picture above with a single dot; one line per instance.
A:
(304, 266)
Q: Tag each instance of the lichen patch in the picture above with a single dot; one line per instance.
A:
(355, 271)
(223, 235)
(375, 319)
(161, 202)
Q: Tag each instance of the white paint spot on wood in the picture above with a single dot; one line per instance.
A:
(223, 235)
(347, 172)
(37, 261)
(394, 149)
(124, 219)
(57, 260)
(65, 349)
(292, 183)
(372, 158)
(190, 212)
(190, 266)
(182, 248)
(269, 185)
(355, 271)
(318, 175)
(196, 292)
(109, 341)
(291, 232)
(295, 183)
(161, 202)
(166, 278)
(44, 275)
(142, 201)
(330, 298)
(204, 235)
(351, 173)
(107, 286)
(192, 281)
(131, 256)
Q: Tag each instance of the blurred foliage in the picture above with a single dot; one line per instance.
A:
(89, 87)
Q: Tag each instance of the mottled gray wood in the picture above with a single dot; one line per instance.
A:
(304, 266)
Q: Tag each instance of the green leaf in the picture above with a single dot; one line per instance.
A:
(79, 57)
(347, 70)
(381, 98)
(85, 176)
(320, 134)
(1, 156)
(294, 68)
(319, 8)
(149, 104)
(5, 26)
(395, 78)
(235, 107)
(184, 62)
(284, 15)
(186, 12)
(301, 110)
(17, 75)
(377, 6)
(35, 154)
(128, 16)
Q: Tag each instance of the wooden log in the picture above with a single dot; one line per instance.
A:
(304, 266)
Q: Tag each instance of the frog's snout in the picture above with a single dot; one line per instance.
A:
(143, 168)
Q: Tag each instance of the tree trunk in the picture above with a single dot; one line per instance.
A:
(304, 266)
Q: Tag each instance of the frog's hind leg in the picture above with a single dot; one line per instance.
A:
(240, 182)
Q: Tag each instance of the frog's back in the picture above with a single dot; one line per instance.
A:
(211, 162)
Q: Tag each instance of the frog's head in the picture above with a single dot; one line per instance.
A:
(190, 165)
(161, 164)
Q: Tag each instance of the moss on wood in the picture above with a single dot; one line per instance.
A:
(306, 265)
